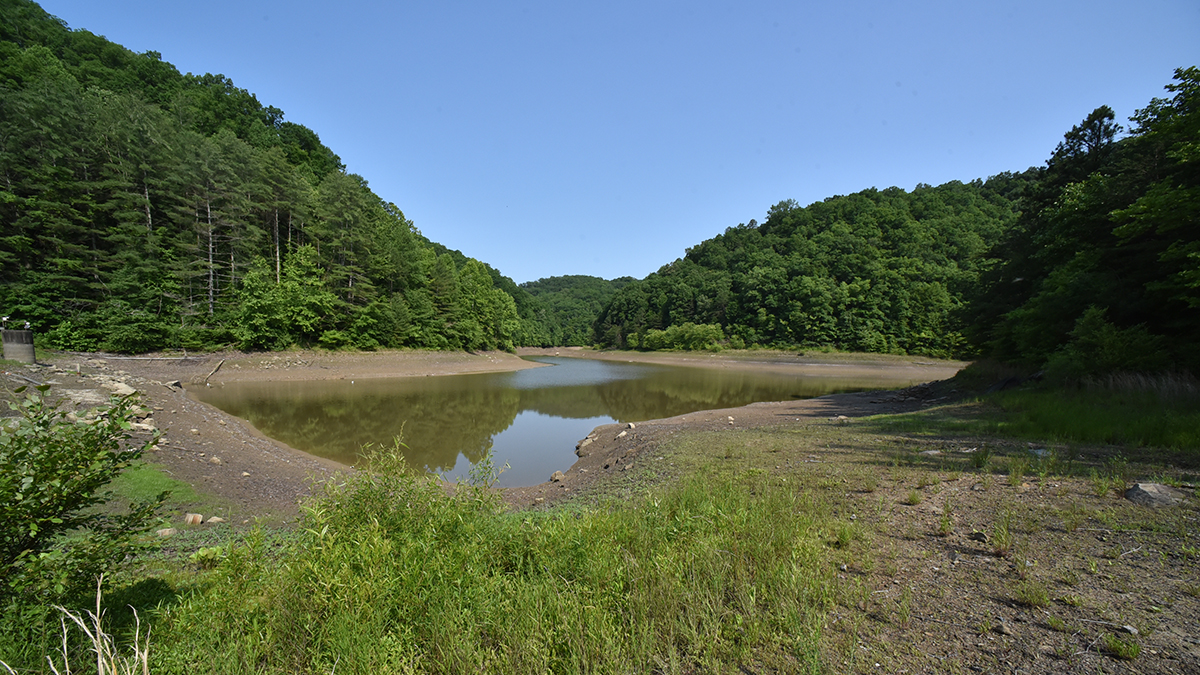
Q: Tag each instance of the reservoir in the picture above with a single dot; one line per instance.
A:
(528, 419)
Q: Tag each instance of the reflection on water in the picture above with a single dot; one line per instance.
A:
(529, 419)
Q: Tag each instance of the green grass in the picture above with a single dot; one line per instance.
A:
(1131, 419)
(391, 574)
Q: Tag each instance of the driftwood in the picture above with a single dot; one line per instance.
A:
(214, 370)
(27, 379)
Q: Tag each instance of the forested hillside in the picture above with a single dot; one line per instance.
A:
(1102, 270)
(144, 209)
(569, 305)
(880, 271)
(1089, 264)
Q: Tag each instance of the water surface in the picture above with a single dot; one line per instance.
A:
(529, 419)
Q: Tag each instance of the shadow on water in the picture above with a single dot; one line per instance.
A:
(529, 419)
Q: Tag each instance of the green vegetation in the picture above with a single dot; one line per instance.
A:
(55, 540)
(877, 271)
(392, 573)
(143, 209)
(568, 305)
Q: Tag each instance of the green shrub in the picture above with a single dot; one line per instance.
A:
(52, 473)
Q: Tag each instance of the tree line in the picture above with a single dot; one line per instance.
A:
(1087, 265)
(145, 209)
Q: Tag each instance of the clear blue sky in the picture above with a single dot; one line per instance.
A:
(604, 138)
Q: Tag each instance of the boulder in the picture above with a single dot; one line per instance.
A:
(1154, 495)
(556, 476)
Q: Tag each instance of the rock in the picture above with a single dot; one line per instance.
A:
(193, 519)
(245, 474)
(930, 452)
(1129, 629)
(175, 383)
(166, 531)
(631, 425)
(221, 422)
(584, 443)
(1003, 628)
(194, 432)
(1153, 495)
(538, 500)
(119, 388)
(978, 536)
(556, 476)
(142, 426)
(214, 460)
(840, 419)
(622, 434)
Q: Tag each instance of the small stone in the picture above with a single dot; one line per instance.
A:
(193, 519)
(166, 531)
(1129, 629)
(214, 520)
(221, 422)
(630, 425)
(214, 460)
(245, 474)
(1003, 628)
(978, 536)
(539, 500)
(556, 476)
(622, 434)
(584, 443)
(194, 432)
(930, 452)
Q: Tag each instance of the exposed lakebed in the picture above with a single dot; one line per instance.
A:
(529, 419)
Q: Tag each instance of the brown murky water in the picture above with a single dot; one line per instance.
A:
(529, 419)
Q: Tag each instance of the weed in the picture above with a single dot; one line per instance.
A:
(946, 523)
(981, 458)
(1100, 484)
(1071, 600)
(843, 534)
(1092, 566)
(1068, 577)
(1017, 466)
(1057, 624)
(1192, 590)
(1032, 594)
(1072, 517)
(904, 612)
(1126, 650)
(207, 557)
(1002, 536)
(913, 498)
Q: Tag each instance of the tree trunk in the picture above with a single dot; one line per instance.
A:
(211, 264)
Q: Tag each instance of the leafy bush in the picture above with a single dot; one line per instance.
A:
(689, 336)
(1097, 347)
(52, 474)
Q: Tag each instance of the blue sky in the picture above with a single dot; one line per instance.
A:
(604, 138)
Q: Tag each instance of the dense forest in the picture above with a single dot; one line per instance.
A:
(1089, 264)
(144, 209)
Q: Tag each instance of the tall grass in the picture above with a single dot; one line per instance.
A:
(1155, 411)
(393, 574)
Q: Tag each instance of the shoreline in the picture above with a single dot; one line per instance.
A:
(256, 477)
